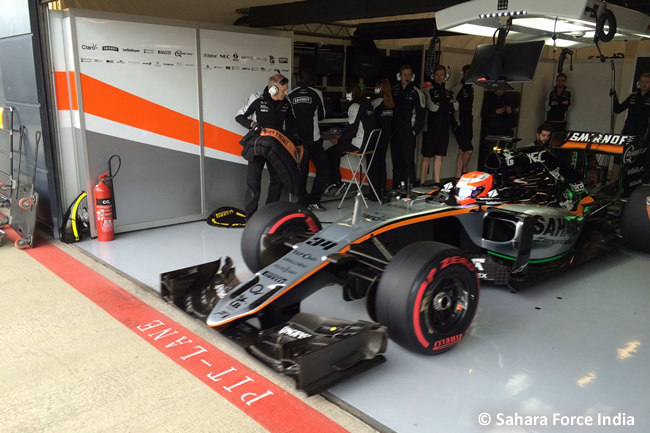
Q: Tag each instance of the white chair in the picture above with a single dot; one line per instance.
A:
(360, 170)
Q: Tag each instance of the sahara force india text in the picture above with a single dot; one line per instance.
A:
(558, 419)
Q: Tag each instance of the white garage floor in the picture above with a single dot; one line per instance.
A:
(575, 346)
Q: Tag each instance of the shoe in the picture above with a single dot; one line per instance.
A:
(316, 207)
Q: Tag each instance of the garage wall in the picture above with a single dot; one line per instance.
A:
(161, 94)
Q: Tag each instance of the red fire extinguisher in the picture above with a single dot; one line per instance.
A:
(105, 203)
(104, 209)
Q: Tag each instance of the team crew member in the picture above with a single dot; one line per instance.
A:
(309, 109)
(638, 116)
(441, 105)
(464, 129)
(638, 106)
(382, 106)
(559, 101)
(408, 120)
(361, 122)
(498, 118)
(266, 109)
(543, 136)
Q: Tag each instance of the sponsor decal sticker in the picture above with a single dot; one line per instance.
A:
(110, 48)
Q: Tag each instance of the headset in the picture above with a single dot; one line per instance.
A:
(399, 76)
(274, 89)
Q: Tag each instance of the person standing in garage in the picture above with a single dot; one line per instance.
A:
(309, 110)
(464, 127)
(382, 106)
(637, 121)
(267, 109)
(559, 101)
(441, 105)
(408, 120)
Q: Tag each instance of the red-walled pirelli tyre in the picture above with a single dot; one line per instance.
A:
(635, 222)
(427, 297)
(263, 240)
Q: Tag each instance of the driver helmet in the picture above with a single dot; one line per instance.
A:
(472, 185)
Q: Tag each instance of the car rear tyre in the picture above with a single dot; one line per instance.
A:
(635, 221)
(427, 297)
(267, 230)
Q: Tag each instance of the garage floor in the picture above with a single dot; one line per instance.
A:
(576, 345)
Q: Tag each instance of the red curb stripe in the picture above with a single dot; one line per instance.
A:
(260, 399)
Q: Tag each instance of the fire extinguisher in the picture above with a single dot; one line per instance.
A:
(105, 204)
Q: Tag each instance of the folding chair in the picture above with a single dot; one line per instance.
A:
(360, 173)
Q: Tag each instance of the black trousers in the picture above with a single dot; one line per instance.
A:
(254, 185)
(334, 154)
(318, 157)
(402, 151)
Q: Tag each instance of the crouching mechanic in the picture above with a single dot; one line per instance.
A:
(267, 109)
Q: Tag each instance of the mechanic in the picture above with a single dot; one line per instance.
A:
(309, 108)
(441, 105)
(498, 117)
(361, 122)
(464, 127)
(382, 105)
(637, 121)
(408, 120)
(266, 109)
(638, 106)
(543, 136)
(559, 101)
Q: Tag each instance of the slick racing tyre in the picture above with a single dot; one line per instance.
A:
(635, 222)
(427, 297)
(266, 232)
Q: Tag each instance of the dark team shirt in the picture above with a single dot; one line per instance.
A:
(440, 101)
(465, 98)
(267, 112)
(638, 113)
(557, 113)
(409, 108)
(309, 109)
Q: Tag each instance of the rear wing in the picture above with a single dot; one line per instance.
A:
(629, 149)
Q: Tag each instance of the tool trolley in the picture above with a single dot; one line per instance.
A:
(15, 193)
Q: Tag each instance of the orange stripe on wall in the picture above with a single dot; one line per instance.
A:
(109, 102)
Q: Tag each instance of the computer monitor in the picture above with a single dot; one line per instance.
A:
(515, 63)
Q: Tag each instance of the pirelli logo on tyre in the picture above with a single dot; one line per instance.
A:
(445, 343)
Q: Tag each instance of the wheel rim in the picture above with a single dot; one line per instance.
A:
(444, 304)
(272, 244)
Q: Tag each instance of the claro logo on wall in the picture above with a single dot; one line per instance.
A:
(110, 48)
(89, 47)
(179, 53)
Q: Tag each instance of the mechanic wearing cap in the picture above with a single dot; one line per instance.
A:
(559, 101)
(309, 109)
(441, 105)
(266, 109)
(464, 127)
(408, 120)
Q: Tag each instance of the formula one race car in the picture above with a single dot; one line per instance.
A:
(418, 259)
